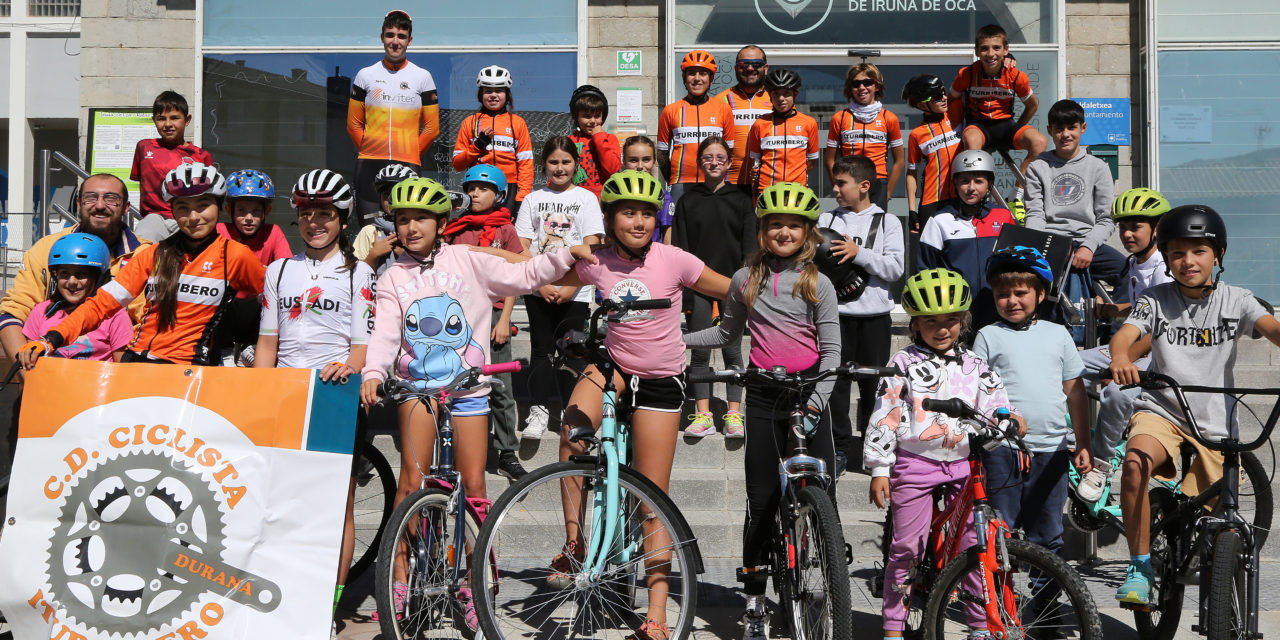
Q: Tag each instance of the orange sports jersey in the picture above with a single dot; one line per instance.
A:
(393, 114)
(683, 125)
(849, 136)
(783, 147)
(511, 149)
(207, 282)
(936, 144)
(746, 110)
(990, 98)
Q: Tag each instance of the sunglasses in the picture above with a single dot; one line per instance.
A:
(716, 159)
(751, 64)
(866, 82)
(932, 98)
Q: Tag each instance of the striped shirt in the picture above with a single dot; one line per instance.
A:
(935, 144)
(683, 125)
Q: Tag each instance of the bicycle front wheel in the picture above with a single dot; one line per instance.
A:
(815, 587)
(648, 570)
(1039, 594)
(1228, 590)
(375, 495)
(414, 581)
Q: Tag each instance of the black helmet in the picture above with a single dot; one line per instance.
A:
(782, 78)
(922, 87)
(844, 276)
(1192, 221)
(589, 90)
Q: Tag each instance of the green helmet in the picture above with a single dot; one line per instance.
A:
(934, 292)
(420, 193)
(1139, 202)
(632, 185)
(788, 197)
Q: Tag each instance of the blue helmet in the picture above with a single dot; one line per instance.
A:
(80, 249)
(1020, 258)
(487, 174)
(248, 183)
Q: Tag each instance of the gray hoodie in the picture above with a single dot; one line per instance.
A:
(1071, 197)
(883, 260)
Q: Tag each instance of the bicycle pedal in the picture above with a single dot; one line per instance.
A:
(1145, 608)
(848, 553)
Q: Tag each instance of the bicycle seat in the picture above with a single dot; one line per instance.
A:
(578, 434)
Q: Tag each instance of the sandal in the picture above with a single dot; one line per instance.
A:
(651, 630)
(468, 608)
(399, 595)
(563, 566)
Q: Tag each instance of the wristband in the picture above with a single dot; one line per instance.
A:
(340, 364)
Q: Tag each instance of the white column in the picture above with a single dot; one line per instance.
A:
(21, 145)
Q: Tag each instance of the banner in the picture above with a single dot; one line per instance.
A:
(169, 502)
(113, 135)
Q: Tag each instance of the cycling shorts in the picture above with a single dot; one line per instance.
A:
(465, 406)
(998, 134)
(1206, 466)
(665, 395)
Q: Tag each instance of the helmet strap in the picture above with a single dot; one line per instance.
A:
(919, 341)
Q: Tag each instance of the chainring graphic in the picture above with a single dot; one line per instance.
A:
(139, 540)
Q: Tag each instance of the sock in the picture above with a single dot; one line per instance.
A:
(755, 603)
(1141, 560)
(337, 595)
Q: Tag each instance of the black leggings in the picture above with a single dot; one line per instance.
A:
(701, 358)
(767, 427)
(865, 340)
(549, 387)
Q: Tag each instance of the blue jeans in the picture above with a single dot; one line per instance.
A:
(1116, 407)
(1033, 502)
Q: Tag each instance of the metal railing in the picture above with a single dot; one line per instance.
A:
(48, 206)
(52, 8)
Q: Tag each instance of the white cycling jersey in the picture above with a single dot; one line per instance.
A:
(318, 309)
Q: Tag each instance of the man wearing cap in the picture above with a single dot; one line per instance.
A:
(748, 100)
(688, 121)
(393, 115)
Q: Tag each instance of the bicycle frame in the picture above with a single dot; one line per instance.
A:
(1110, 514)
(608, 522)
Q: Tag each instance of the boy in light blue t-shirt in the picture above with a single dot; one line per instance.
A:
(1041, 369)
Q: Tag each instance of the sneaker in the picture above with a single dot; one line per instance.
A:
(702, 425)
(1137, 585)
(1092, 484)
(536, 424)
(333, 631)
(755, 623)
(980, 634)
(468, 608)
(842, 461)
(399, 595)
(734, 427)
(509, 466)
(564, 565)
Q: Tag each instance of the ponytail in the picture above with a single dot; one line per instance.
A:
(170, 254)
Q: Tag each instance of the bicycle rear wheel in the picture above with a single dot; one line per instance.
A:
(422, 547)
(814, 592)
(375, 496)
(1228, 588)
(525, 528)
(1039, 593)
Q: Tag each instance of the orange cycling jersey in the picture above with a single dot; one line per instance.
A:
(990, 98)
(783, 147)
(393, 113)
(207, 282)
(683, 125)
(850, 136)
(936, 144)
(511, 149)
(746, 110)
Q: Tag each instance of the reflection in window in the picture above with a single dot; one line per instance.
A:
(1220, 146)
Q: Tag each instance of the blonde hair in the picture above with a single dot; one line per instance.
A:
(806, 286)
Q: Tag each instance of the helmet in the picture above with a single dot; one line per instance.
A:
(420, 193)
(632, 185)
(82, 249)
(389, 175)
(782, 78)
(934, 292)
(844, 276)
(923, 87)
(487, 174)
(788, 197)
(193, 179)
(1192, 221)
(494, 76)
(589, 90)
(247, 183)
(699, 58)
(321, 187)
(973, 161)
(1139, 202)
(1020, 258)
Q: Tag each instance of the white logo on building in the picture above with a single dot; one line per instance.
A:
(793, 17)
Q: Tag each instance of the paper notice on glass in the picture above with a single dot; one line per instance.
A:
(1179, 123)
(629, 104)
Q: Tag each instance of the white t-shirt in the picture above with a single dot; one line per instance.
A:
(553, 219)
(318, 309)
(1144, 275)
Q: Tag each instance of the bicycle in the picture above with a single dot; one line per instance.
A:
(375, 494)
(1015, 588)
(809, 557)
(431, 528)
(639, 550)
(1218, 544)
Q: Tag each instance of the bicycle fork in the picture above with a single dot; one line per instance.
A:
(605, 501)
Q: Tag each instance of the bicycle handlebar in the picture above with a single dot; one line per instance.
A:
(467, 379)
(1155, 380)
(958, 408)
(778, 375)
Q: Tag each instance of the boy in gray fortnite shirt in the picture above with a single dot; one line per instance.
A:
(1193, 324)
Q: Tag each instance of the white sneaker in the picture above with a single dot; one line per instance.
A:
(755, 623)
(1091, 485)
(536, 425)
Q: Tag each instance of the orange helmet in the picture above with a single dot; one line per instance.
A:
(699, 58)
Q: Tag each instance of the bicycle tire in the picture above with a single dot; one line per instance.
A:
(525, 528)
(368, 539)
(1255, 475)
(1228, 588)
(819, 543)
(1160, 622)
(1023, 557)
(426, 607)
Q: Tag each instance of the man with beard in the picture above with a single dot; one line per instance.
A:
(749, 102)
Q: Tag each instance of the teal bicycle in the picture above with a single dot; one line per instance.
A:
(635, 552)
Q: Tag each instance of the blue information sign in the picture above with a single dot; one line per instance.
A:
(1108, 120)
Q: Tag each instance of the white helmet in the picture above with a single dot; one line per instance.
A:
(973, 160)
(321, 187)
(193, 179)
(494, 76)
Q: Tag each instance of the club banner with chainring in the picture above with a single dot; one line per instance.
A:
(170, 502)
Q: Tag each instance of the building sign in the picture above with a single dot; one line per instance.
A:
(1108, 120)
(629, 63)
(113, 135)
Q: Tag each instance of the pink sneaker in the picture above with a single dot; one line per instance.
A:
(702, 425)
(399, 594)
(734, 425)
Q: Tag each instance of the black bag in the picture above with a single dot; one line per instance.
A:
(850, 280)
